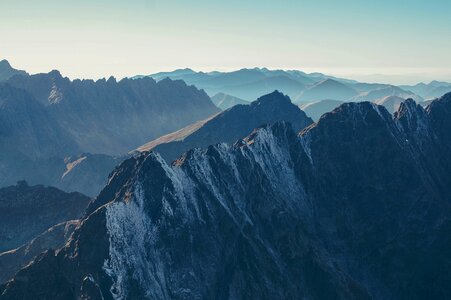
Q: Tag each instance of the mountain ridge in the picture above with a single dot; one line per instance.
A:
(310, 216)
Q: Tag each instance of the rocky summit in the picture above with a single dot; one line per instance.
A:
(355, 206)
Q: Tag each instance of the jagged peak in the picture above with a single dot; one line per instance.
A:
(408, 105)
(411, 117)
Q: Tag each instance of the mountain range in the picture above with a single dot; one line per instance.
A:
(324, 213)
(47, 120)
(71, 133)
(249, 84)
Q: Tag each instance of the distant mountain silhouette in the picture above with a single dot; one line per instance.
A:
(248, 84)
(253, 90)
(391, 103)
(429, 91)
(327, 89)
(384, 92)
(224, 101)
(316, 109)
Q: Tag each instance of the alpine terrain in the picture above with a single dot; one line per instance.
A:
(355, 206)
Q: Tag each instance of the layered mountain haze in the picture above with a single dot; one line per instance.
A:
(384, 92)
(429, 91)
(230, 125)
(328, 89)
(323, 214)
(47, 120)
(316, 109)
(224, 101)
(391, 103)
(248, 84)
(253, 90)
(112, 117)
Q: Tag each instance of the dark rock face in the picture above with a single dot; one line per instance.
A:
(231, 125)
(350, 208)
(27, 211)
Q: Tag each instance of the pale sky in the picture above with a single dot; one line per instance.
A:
(397, 41)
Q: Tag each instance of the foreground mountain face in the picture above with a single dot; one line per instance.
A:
(26, 211)
(326, 214)
(230, 125)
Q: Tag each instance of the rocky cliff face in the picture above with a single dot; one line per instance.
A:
(356, 206)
